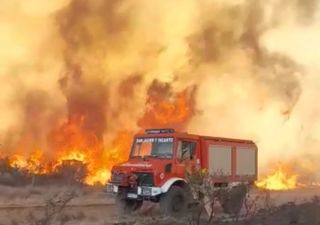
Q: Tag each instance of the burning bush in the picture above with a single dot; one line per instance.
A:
(69, 172)
(12, 176)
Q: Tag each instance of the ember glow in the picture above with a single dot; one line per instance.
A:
(79, 78)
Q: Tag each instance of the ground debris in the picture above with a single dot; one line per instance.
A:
(146, 220)
(286, 214)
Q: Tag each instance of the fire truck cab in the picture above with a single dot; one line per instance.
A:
(160, 158)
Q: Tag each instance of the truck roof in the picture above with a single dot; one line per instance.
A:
(228, 139)
(170, 132)
(214, 138)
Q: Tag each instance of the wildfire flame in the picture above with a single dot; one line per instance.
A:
(17, 161)
(71, 142)
(280, 179)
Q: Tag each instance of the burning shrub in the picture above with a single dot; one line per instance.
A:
(12, 176)
(72, 171)
(69, 172)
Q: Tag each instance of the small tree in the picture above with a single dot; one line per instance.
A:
(206, 194)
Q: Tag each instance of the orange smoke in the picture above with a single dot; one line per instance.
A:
(165, 108)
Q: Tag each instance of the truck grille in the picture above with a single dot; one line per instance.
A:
(145, 179)
(117, 178)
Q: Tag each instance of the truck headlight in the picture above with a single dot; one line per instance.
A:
(146, 191)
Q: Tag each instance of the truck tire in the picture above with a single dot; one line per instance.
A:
(125, 206)
(232, 200)
(174, 202)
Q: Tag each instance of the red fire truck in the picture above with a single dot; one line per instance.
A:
(159, 158)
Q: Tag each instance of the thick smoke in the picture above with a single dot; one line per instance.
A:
(241, 68)
(30, 97)
(165, 108)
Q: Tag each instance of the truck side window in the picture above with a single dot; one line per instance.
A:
(186, 150)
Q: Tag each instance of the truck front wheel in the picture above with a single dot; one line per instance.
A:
(125, 205)
(174, 202)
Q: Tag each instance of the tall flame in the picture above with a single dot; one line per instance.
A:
(72, 142)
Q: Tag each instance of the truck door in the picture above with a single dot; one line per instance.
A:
(186, 155)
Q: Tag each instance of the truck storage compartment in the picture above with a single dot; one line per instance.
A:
(231, 159)
(220, 160)
(246, 161)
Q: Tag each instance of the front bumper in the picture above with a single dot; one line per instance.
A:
(139, 192)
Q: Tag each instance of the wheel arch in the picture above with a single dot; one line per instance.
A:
(173, 181)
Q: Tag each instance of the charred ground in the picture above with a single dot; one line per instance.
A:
(75, 204)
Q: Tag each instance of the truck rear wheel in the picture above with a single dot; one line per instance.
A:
(125, 205)
(174, 202)
(232, 200)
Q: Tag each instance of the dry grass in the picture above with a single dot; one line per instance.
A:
(260, 208)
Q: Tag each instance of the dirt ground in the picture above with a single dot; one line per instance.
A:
(91, 206)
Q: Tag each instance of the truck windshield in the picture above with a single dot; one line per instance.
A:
(160, 147)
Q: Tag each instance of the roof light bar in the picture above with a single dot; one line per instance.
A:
(159, 131)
